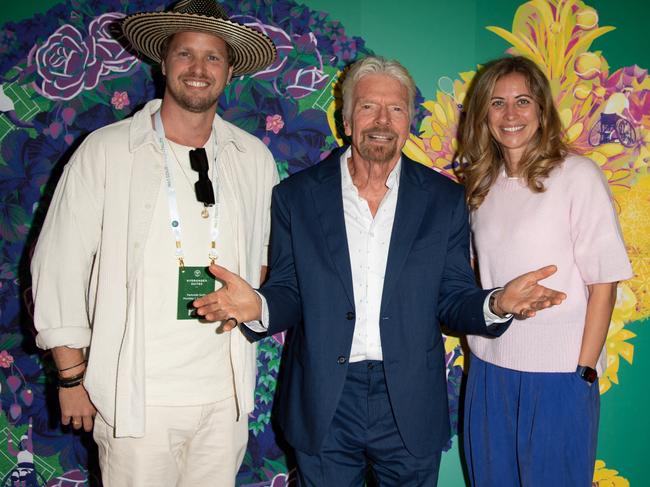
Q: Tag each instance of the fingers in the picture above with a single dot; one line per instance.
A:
(77, 410)
(77, 422)
(544, 272)
(229, 324)
(210, 308)
(222, 273)
(88, 423)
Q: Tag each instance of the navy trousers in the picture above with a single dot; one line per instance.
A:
(363, 436)
(529, 429)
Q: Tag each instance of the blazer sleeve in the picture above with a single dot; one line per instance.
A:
(461, 300)
(281, 288)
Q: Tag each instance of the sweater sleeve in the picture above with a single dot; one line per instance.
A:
(598, 246)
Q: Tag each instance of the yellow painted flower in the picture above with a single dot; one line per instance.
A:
(634, 217)
(606, 477)
(617, 346)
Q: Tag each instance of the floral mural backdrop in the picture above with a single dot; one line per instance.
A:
(62, 75)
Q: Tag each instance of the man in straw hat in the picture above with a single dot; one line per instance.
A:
(141, 210)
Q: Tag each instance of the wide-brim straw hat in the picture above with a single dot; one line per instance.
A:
(252, 50)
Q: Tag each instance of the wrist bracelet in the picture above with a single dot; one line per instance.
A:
(68, 385)
(72, 367)
(66, 382)
(73, 378)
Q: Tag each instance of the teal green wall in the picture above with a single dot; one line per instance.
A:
(441, 38)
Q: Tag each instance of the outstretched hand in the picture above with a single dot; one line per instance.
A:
(234, 303)
(524, 296)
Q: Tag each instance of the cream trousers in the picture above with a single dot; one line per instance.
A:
(198, 446)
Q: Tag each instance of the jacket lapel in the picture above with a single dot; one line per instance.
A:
(412, 203)
(328, 200)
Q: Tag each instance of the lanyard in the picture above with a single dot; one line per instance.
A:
(174, 217)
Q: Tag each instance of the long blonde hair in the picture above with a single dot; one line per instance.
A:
(480, 155)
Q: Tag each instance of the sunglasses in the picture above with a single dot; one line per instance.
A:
(203, 187)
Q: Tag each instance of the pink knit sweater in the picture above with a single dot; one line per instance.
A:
(572, 225)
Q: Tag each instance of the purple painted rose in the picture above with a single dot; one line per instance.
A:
(280, 480)
(306, 43)
(282, 42)
(69, 64)
(66, 65)
(303, 82)
(107, 50)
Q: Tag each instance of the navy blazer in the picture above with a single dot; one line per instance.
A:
(428, 281)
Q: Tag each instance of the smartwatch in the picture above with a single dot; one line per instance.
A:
(587, 373)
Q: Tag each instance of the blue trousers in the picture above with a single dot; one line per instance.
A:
(363, 435)
(529, 429)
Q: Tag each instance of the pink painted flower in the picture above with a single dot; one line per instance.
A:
(120, 99)
(274, 123)
(6, 359)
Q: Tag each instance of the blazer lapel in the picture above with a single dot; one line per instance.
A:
(328, 200)
(412, 202)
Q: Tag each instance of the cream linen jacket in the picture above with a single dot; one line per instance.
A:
(87, 267)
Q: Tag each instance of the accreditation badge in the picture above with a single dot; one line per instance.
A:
(193, 283)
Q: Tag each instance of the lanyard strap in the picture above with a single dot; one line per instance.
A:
(174, 216)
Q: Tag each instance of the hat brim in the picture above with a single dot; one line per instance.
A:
(252, 50)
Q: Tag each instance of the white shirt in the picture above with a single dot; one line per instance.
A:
(368, 245)
(178, 349)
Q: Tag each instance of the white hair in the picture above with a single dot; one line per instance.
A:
(376, 65)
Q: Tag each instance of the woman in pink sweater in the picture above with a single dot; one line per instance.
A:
(532, 400)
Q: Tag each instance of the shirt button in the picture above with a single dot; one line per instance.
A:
(350, 315)
(341, 360)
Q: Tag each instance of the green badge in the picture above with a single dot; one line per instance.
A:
(193, 282)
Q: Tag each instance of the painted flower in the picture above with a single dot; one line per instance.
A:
(345, 48)
(318, 22)
(105, 47)
(6, 359)
(305, 81)
(120, 100)
(280, 38)
(66, 64)
(274, 123)
(280, 480)
(72, 478)
(634, 218)
(306, 43)
(606, 477)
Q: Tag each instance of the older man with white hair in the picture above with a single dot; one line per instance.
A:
(369, 254)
